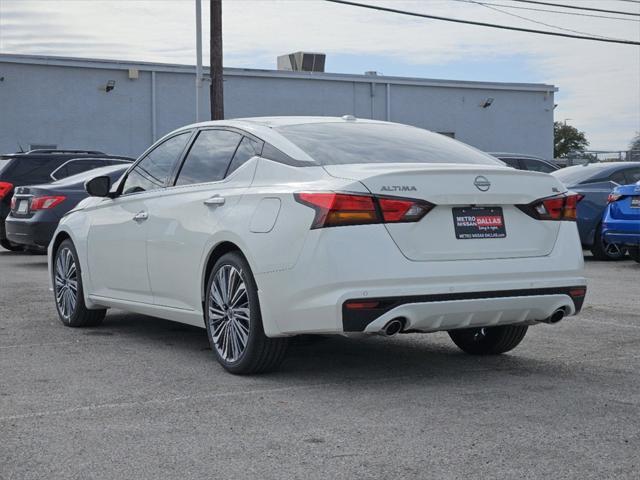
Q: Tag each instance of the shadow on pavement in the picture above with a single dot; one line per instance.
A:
(334, 358)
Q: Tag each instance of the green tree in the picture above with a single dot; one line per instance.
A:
(567, 139)
(634, 149)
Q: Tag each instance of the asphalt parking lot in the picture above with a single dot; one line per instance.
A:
(143, 398)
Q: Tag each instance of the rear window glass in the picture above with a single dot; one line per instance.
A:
(4, 162)
(348, 143)
(33, 170)
(114, 172)
(72, 167)
(578, 174)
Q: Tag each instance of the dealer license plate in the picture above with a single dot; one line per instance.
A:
(479, 222)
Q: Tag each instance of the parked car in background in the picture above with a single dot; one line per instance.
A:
(595, 182)
(621, 222)
(263, 229)
(36, 210)
(35, 167)
(526, 162)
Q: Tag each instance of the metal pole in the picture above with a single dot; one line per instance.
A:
(388, 102)
(154, 132)
(198, 57)
(216, 95)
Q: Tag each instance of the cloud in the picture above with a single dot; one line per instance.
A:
(599, 83)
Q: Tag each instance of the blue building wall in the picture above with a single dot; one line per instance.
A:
(62, 102)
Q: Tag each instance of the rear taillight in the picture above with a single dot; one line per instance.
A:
(340, 209)
(613, 197)
(13, 203)
(5, 188)
(46, 202)
(562, 207)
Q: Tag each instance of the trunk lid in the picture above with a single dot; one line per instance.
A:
(490, 189)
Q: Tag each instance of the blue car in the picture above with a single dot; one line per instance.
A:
(621, 222)
(595, 182)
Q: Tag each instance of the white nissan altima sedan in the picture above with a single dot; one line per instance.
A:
(261, 229)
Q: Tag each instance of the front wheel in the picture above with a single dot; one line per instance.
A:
(234, 322)
(488, 340)
(67, 287)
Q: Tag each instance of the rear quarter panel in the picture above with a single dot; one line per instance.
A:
(591, 209)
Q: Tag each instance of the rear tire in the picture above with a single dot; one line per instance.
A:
(634, 253)
(488, 340)
(233, 320)
(12, 247)
(605, 251)
(68, 291)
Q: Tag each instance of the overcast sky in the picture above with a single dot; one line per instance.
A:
(599, 82)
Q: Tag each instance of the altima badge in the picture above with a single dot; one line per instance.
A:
(482, 183)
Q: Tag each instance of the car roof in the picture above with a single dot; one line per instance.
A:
(517, 155)
(601, 166)
(272, 122)
(263, 128)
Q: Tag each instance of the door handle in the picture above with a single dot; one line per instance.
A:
(140, 216)
(215, 200)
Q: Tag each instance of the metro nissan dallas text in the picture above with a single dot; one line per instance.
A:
(262, 229)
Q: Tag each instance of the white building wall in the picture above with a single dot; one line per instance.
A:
(46, 100)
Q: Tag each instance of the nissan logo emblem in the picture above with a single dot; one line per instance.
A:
(482, 183)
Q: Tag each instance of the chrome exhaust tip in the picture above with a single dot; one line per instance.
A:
(393, 327)
(555, 316)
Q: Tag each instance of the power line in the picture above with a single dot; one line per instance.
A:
(533, 9)
(577, 8)
(530, 19)
(483, 24)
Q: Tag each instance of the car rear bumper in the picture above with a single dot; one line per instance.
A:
(430, 313)
(622, 232)
(29, 232)
(363, 264)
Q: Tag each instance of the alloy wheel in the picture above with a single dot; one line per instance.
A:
(66, 283)
(229, 313)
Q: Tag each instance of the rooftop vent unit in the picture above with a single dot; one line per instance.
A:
(302, 62)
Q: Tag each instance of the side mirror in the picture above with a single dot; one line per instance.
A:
(98, 187)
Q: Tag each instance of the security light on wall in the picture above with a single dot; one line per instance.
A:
(487, 103)
(111, 84)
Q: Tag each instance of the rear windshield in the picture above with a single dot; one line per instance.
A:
(79, 165)
(347, 143)
(577, 174)
(3, 162)
(114, 171)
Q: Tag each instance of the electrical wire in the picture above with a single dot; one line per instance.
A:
(484, 24)
(533, 9)
(577, 8)
(532, 20)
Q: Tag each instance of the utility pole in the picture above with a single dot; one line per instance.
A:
(217, 101)
(198, 58)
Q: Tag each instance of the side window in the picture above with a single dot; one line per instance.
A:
(209, 157)
(632, 175)
(512, 162)
(247, 149)
(153, 170)
(536, 166)
(30, 171)
(618, 177)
